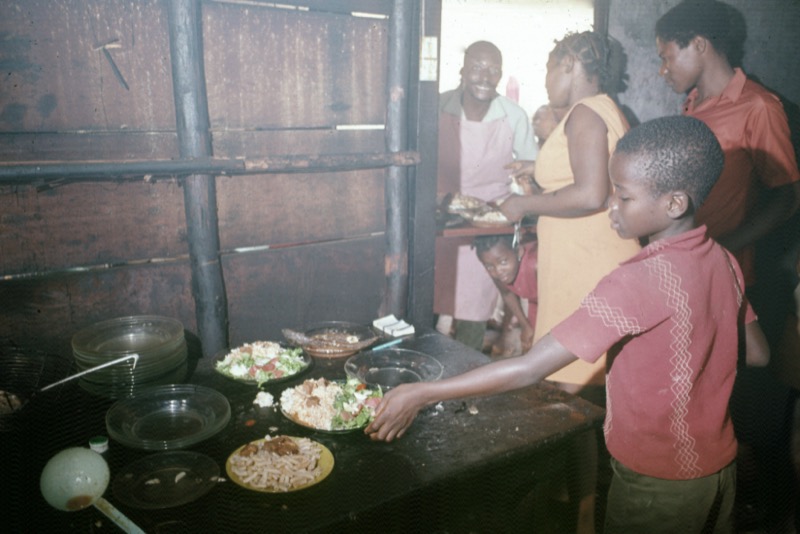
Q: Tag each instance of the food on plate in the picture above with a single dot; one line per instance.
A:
(9, 402)
(490, 217)
(280, 463)
(262, 361)
(332, 406)
(460, 203)
(329, 340)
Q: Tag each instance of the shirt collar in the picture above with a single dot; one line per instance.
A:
(686, 240)
(731, 92)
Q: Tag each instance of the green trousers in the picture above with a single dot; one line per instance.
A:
(638, 503)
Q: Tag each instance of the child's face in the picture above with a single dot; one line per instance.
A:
(633, 209)
(544, 121)
(501, 262)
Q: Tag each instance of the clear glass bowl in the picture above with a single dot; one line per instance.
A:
(183, 476)
(168, 417)
(147, 335)
(391, 367)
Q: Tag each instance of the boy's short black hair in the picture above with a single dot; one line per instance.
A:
(677, 153)
(721, 24)
(483, 243)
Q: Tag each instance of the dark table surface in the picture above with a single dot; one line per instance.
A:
(462, 464)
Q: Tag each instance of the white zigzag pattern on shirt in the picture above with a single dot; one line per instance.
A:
(608, 421)
(611, 317)
(681, 375)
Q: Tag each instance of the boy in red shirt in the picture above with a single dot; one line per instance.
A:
(670, 319)
(514, 273)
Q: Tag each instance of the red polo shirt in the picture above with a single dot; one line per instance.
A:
(671, 315)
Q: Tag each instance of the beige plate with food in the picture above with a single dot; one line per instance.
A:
(314, 342)
(297, 421)
(325, 462)
(490, 224)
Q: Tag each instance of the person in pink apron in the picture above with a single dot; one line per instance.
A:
(480, 134)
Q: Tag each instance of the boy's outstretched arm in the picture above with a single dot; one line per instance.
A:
(400, 405)
(756, 345)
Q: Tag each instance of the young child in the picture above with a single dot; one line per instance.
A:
(514, 274)
(670, 318)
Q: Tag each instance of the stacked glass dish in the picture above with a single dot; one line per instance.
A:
(159, 342)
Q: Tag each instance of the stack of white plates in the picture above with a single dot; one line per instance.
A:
(159, 342)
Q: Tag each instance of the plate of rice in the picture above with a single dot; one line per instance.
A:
(279, 464)
(331, 406)
(261, 362)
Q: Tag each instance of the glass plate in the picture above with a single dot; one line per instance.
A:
(165, 479)
(391, 367)
(325, 462)
(166, 417)
(252, 381)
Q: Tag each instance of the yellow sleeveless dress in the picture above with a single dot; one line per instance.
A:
(574, 254)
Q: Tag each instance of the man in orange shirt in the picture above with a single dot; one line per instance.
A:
(759, 189)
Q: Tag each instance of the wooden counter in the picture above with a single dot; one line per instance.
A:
(462, 465)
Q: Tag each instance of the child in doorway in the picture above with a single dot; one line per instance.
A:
(670, 318)
(514, 273)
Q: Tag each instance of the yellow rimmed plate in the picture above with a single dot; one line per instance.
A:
(325, 463)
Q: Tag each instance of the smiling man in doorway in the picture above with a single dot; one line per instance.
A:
(480, 134)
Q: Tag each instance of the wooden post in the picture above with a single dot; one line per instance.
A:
(396, 191)
(200, 203)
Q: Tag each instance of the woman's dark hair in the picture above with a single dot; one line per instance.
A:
(722, 25)
(592, 50)
(677, 153)
(483, 243)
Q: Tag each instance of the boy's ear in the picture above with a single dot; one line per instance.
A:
(678, 204)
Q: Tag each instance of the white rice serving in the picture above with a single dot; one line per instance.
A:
(312, 402)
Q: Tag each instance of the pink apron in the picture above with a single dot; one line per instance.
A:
(462, 287)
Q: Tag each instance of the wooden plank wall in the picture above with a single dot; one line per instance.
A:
(297, 248)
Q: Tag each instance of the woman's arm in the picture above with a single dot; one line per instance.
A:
(400, 405)
(587, 143)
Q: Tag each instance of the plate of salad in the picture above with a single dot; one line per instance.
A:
(331, 406)
(262, 362)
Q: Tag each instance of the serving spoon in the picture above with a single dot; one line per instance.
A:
(17, 406)
(76, 478)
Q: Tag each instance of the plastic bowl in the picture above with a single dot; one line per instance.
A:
(391, 367)
(168, 417)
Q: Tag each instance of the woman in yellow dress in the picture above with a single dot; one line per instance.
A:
(577, 246)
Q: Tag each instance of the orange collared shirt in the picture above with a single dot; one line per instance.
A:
(752, 128)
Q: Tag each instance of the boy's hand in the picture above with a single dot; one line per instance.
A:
(395, 413)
